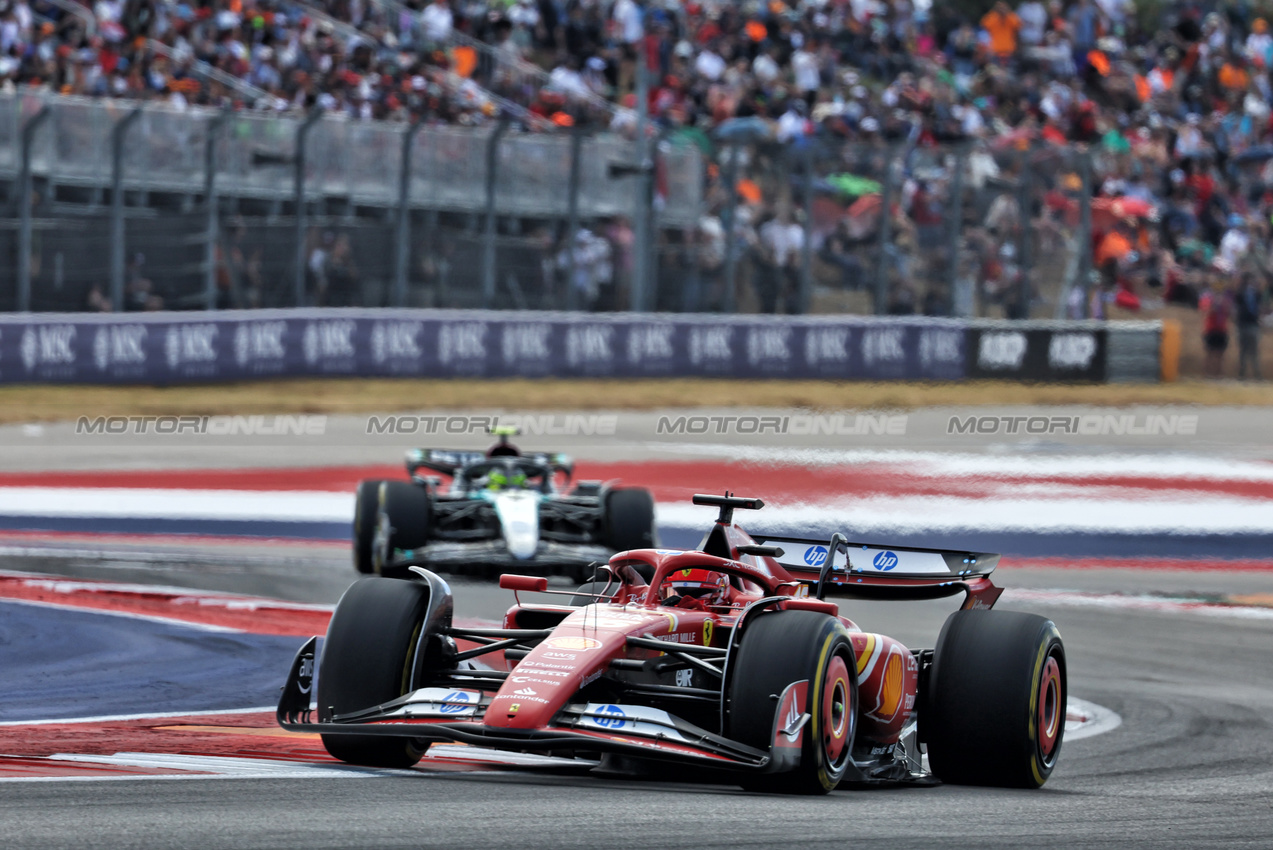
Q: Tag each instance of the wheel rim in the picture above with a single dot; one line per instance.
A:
(1051, 709)
(837, 710)
(380, 543)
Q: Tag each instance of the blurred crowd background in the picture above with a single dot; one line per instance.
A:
(1096, 157)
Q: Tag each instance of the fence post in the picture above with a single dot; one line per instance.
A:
(731, 247)
(806, 253)
(24, 208)
(402, 242)
(1024, 184)
(211, 228)
(886, 237)
(955, 225)
(1085, 231)
(298, 199)
(488, 238)
(118, 133)
(572, 223)
(641, 217)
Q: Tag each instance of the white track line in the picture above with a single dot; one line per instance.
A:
(116, 718)
(1136, 602)
(1096, 720)
(138, 503)
(212, 767)
(947, 465)
(127, 615)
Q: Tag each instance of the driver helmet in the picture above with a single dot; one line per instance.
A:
(498, 480)
(708, 586)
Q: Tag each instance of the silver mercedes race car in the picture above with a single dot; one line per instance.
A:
(501, 509)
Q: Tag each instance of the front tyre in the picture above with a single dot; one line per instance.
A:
(366, 505)
(995, 709)
(403, 519)
(368, 658)
(780, 649)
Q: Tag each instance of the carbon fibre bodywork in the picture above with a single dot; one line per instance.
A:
(642, 674)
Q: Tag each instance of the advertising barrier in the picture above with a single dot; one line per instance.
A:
(180, 348)
(1037, 354)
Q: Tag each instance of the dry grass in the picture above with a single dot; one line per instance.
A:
(53, 403)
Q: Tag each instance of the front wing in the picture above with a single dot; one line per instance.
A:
(445, 714)
(486, 555)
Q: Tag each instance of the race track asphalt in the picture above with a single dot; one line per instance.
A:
(1190, 766)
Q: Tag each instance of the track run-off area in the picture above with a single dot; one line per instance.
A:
(150, 603)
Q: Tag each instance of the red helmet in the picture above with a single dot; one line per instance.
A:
(708, 586)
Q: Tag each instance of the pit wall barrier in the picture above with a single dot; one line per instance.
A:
(191, 347)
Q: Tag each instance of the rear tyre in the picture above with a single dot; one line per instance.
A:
(628, 519)
(777, 650)
(366, 504)
(995, 709)
(368, 658)
(403, 518)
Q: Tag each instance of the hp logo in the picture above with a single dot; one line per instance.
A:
(455, 702)
(815, 556)
(884, 561)
(610, 717)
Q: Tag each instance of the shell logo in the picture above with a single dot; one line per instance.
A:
(572, 643)
(891, 690)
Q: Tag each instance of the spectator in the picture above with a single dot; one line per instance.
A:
(1216, 308)
(1034, 23)
(781, 241)
(1179, 116)
(1235, 243)
(808, 77)
(437, 20)
(342, 274)
(139, 291)
(1249, 309)
(710, 236)
(1002, 25)
(97, 301)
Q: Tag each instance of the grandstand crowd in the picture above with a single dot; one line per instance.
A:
(1173, 99)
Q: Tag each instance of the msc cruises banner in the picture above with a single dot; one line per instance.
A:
(178, 348)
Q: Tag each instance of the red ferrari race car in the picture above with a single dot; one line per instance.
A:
(728, 657)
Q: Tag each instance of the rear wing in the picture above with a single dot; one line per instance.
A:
(451, 461)
(838, 567)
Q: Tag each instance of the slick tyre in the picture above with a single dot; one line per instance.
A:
(403, 518)
(994, 713)
(777, 650)
(629, 520)
(368, 658)
(366, 506)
